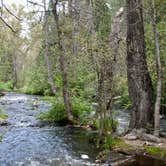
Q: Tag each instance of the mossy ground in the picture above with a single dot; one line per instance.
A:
(120, 143)
(156, 151)
(139, 147)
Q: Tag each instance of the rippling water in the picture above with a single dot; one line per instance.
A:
(27, 141)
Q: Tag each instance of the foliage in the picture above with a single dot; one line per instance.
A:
(124, 101)
(105, 127)
(49, 99)
(79, 106)
(150, 50)
(107, 123)
(108, 142)
(37, 84)
(7, 86)
(102, 19)
(57, 113)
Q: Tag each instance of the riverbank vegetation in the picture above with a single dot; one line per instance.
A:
(3, 115)
(86, 57)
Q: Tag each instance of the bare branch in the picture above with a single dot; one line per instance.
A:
(11, 13)
(35, 4)
(7, 25)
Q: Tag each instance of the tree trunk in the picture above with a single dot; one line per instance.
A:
(14, 72)
(70, 7)
(66, 96)
(106, 71)
(46, 52)
(158, 70)
(139, 81)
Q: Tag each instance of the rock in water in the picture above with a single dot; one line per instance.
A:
(36, 102)
(2, 94)
(131, 137)
(3, 122)
(84, 156)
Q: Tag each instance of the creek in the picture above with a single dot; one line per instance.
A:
(28, 141)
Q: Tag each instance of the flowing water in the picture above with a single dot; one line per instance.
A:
(123, 118)
(28, 141)
(31, 142)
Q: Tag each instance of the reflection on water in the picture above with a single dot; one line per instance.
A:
(146, 161)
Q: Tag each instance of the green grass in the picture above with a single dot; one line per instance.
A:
(119, 143)
(48, 98)
(156, 151)
(6, 86)
(3, 115)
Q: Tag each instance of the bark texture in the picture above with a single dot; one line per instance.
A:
(106, 73)
(62, 61)
(139, 81)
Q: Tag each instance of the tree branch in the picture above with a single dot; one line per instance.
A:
(11, 13)
(7, 25)
(35, 4)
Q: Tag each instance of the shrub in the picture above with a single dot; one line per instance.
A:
(56, 114)
(6, 85)
(124, 101)
(79, 107)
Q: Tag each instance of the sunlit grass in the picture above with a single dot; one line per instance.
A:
(155, 150)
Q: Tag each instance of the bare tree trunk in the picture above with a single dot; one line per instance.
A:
(66, 96)
(14, 61)
(73, 6)
(46, 53)
(139, 81)
(158, 70)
